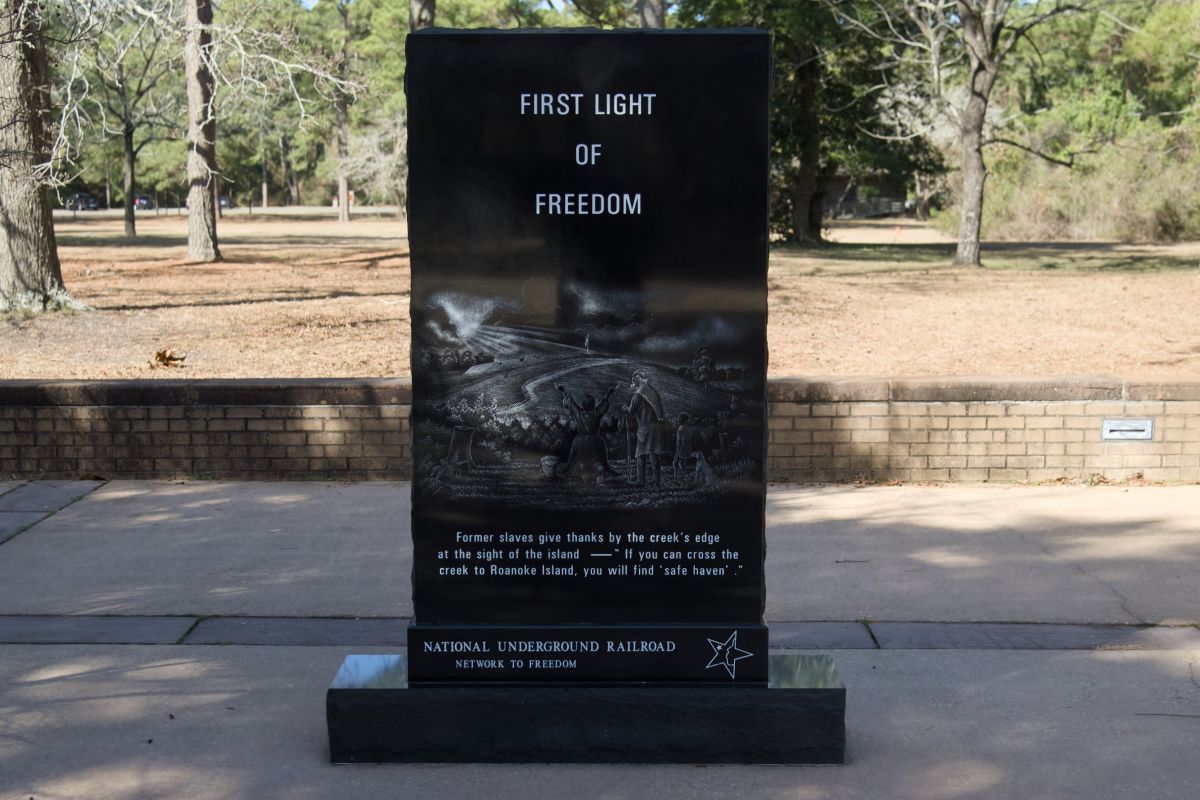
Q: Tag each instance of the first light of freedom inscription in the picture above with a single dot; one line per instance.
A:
(619, 104)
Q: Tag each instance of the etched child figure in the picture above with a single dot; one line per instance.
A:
(683, 447)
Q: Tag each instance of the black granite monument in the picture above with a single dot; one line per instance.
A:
(588, 224)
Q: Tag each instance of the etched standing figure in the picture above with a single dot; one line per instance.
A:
(646, 409)
(588, 458)
(683, 447)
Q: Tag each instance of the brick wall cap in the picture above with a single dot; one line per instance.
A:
(818, 389)
(1002, 388)
(398, 391)
(239, 392)
(1153, 390)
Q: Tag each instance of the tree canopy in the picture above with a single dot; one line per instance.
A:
(1084, 100)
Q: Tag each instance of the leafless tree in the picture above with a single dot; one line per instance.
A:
(128, 62)
(376, 160)
(241, 55)
(30, 274)
(960, 47)
(37, 146)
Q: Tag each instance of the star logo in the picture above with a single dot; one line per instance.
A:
(726, 654)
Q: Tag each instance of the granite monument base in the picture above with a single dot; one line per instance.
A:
(375, 716)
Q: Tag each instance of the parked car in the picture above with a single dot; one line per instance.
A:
(227, 202)
(82, 201)
(143, 202)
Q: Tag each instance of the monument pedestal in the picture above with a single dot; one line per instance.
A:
(375, 716)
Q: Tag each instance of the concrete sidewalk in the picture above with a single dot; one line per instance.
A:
(175, 640)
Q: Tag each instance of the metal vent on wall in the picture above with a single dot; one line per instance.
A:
(1127, 430)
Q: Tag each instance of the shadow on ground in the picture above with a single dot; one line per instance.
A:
(999, 256)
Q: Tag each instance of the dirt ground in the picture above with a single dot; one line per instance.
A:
(302, 296)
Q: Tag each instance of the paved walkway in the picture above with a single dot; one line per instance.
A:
(175, 640)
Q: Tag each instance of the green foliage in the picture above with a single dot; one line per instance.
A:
(1117, 96)
(606, 13)
(378, 29)
(1145, 186)
(1160, 62)
(159, 163)
(824, 103)
(501, 14)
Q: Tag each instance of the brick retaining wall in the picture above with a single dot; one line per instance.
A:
(999, 430)
(263, 430)
(972, 429)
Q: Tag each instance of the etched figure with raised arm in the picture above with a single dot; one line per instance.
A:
(588, 458)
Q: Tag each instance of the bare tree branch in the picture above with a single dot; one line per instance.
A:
(1068, 162)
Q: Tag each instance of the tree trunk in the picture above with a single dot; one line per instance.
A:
(343, 149)
(970, 223)
(399, 152)
(816, 205)
(806, 177)
(30, 275)
(804, 197)
(290, 179)
(421, 14)
(341, 109)
(651, 13)
(284, 172)
(974, 173)
(202, 135)
(924, 195)
(129, 183)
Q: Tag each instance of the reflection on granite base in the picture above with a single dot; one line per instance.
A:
(374, 716)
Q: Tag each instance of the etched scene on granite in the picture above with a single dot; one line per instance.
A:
(563, 395)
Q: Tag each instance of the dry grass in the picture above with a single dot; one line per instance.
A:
(885, 301)
(307, 297)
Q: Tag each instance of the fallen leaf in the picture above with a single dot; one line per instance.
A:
(167, 358)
